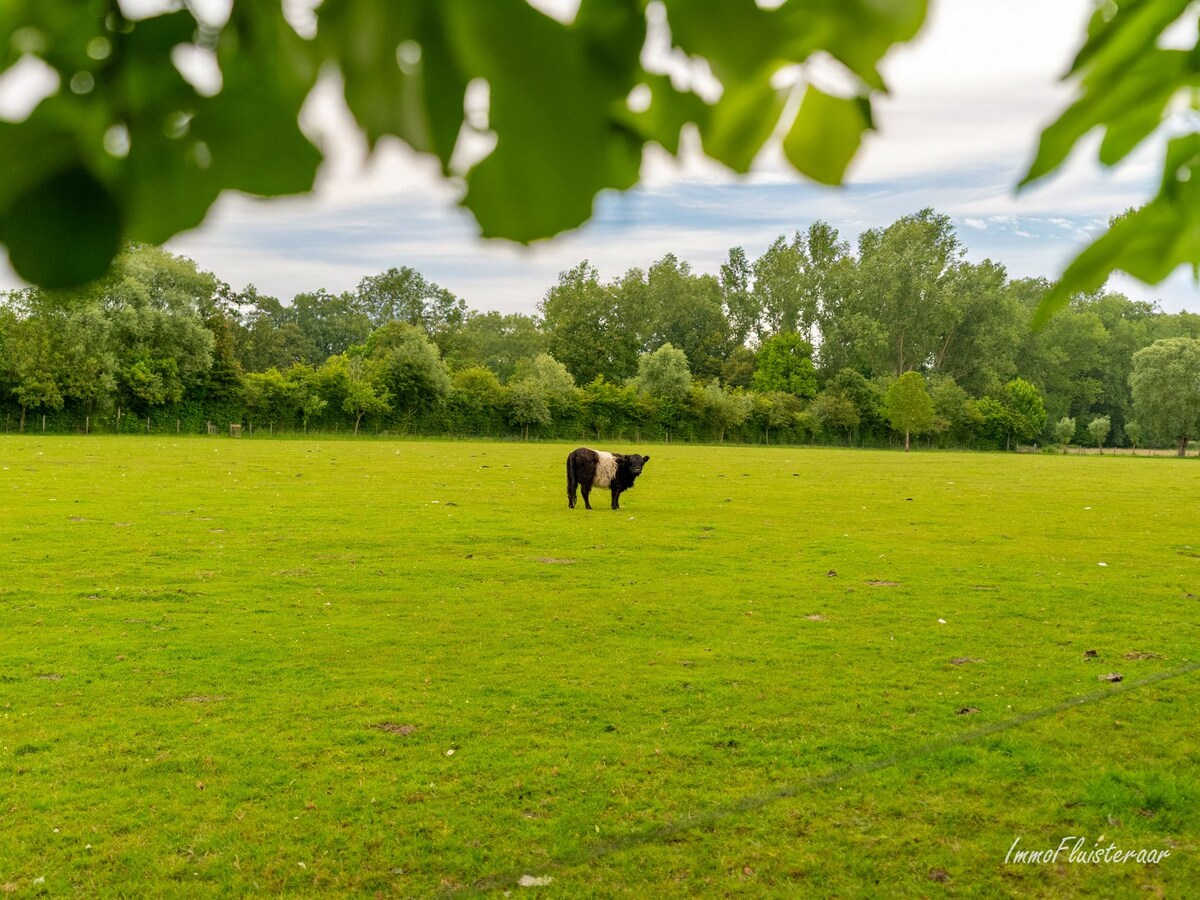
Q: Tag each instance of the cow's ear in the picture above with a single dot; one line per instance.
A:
(645, 459)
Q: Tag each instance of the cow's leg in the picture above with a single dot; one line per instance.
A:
(586, 489)
(571, 484)
(616, 492)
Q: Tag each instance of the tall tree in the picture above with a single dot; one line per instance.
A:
(409, 367)
(494, 340)
(1099, 428)
(742, 308)
(905, 280)
(1166, 390)
(330, 323)
(685, 310)
(984, 324)
(588, 329)
(404, 295)
(664, 377)
(908, 406)
(1026, 409)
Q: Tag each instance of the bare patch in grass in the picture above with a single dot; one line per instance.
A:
(1142, 654)
(202, 698)
(963, 660)
(1112, 676)
(878, 583)
(393, 728)
(967, 711)
(293, 573)
(552, 561)
(50, 676)
(815, 617)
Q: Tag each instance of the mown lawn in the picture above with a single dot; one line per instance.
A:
(302, 667)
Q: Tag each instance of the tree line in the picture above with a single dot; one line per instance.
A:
(812, 341)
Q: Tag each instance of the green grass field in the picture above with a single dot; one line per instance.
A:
(408, 669)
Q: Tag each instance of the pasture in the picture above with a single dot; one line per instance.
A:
(408, 669)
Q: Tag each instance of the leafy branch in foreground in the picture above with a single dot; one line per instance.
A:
(1129, 85)
(129, 147)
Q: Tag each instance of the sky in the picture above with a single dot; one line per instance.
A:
(968, 99)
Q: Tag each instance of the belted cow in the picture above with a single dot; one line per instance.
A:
(588, 468)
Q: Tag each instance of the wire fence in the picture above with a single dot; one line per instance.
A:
(705, 818)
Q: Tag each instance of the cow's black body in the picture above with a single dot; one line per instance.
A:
(587, 468)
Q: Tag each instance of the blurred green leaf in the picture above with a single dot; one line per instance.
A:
(857, 33)
(826, 134)
(400, 77)
(70, 209)
(1131, 108)
(558, 142)
(740, 123)
(668, 111)
(558, 96)
(1150, 242)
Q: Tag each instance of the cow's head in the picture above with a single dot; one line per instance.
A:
(636, 463)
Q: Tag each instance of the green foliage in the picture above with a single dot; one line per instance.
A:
(588, 328)
(158, 345)
(797, 284)
(363, 397)
(132, 150)
(826, 134)
(865, 394)
(527, 405)
(1133, 434)
(403, 295)
(908, 406)
(681, 309)
(835, 411)
(1099, 428)
(956, 415)
(664, 374)
(548, 376)
(409, 367)
(605, 405)
(493, 340)
(742, 309)
(725, 408)
(906, 281)
(784, 363)
(996, 424)
(738, 370)
(1064, 431)
(127, 147)
(318, 325)
(132, 132)
(1127, 83)
(1166, 389)
(775, 410)
(1026, 409)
